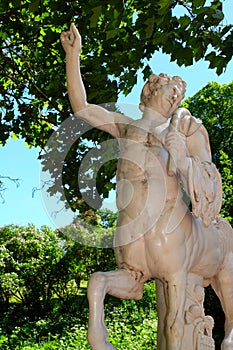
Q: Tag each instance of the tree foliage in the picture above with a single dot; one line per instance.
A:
(118, 38)
(213, 105)
(38, 265)
(27, 257)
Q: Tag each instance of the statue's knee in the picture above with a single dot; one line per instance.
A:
(97, 279)
(139, 293)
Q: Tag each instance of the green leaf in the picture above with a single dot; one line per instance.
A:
(164, 5)
(3, 35)
(149, 27)
(184, 21)
(216, 61)
(147, 71)
(216, 4)
(95, 16)
(198, 3)
(34, 5)
(16, 3)
(111, 34)
(14, 136)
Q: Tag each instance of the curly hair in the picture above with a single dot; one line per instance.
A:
(155, 82)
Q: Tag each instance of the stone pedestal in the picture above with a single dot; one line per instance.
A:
(198, 327)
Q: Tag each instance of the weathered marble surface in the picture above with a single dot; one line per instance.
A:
(157, 236)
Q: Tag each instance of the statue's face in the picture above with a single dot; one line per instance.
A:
(166, 99)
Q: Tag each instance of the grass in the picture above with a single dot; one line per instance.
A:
(131, 325)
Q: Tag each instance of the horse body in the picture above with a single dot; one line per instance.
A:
(157, 237)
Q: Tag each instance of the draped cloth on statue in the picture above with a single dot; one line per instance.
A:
(204, 190)
(203, 182)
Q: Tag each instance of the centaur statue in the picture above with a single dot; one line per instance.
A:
(157, 236)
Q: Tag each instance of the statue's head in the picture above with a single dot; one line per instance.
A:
(162, 87)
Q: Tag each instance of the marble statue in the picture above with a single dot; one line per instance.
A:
(157, 236)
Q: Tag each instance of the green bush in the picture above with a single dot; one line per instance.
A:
(44, 303)
(28, 257)
(39, 265)
(131, 325)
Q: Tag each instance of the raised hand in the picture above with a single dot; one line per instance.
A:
(71, 40)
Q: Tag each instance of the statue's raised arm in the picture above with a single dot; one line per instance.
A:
(72, 44)
(94, 114)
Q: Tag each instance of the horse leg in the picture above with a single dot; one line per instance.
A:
(222, 284)
(161, 311)
(175, 297)
(123, 284)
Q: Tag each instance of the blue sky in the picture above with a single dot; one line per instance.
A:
(18, 161)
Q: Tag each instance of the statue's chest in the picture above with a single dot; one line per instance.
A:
(141, 135)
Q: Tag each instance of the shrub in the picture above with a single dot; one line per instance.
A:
(38, 265)
(131, 325)
(28, 257)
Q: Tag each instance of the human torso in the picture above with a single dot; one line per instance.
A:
(146, 198)
(142, 165)
(140, 149)
(144, 192)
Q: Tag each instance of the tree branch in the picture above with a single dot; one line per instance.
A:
(186, 6)
(16, 181)
(26, 78)
(3, 188)
(7, 15)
